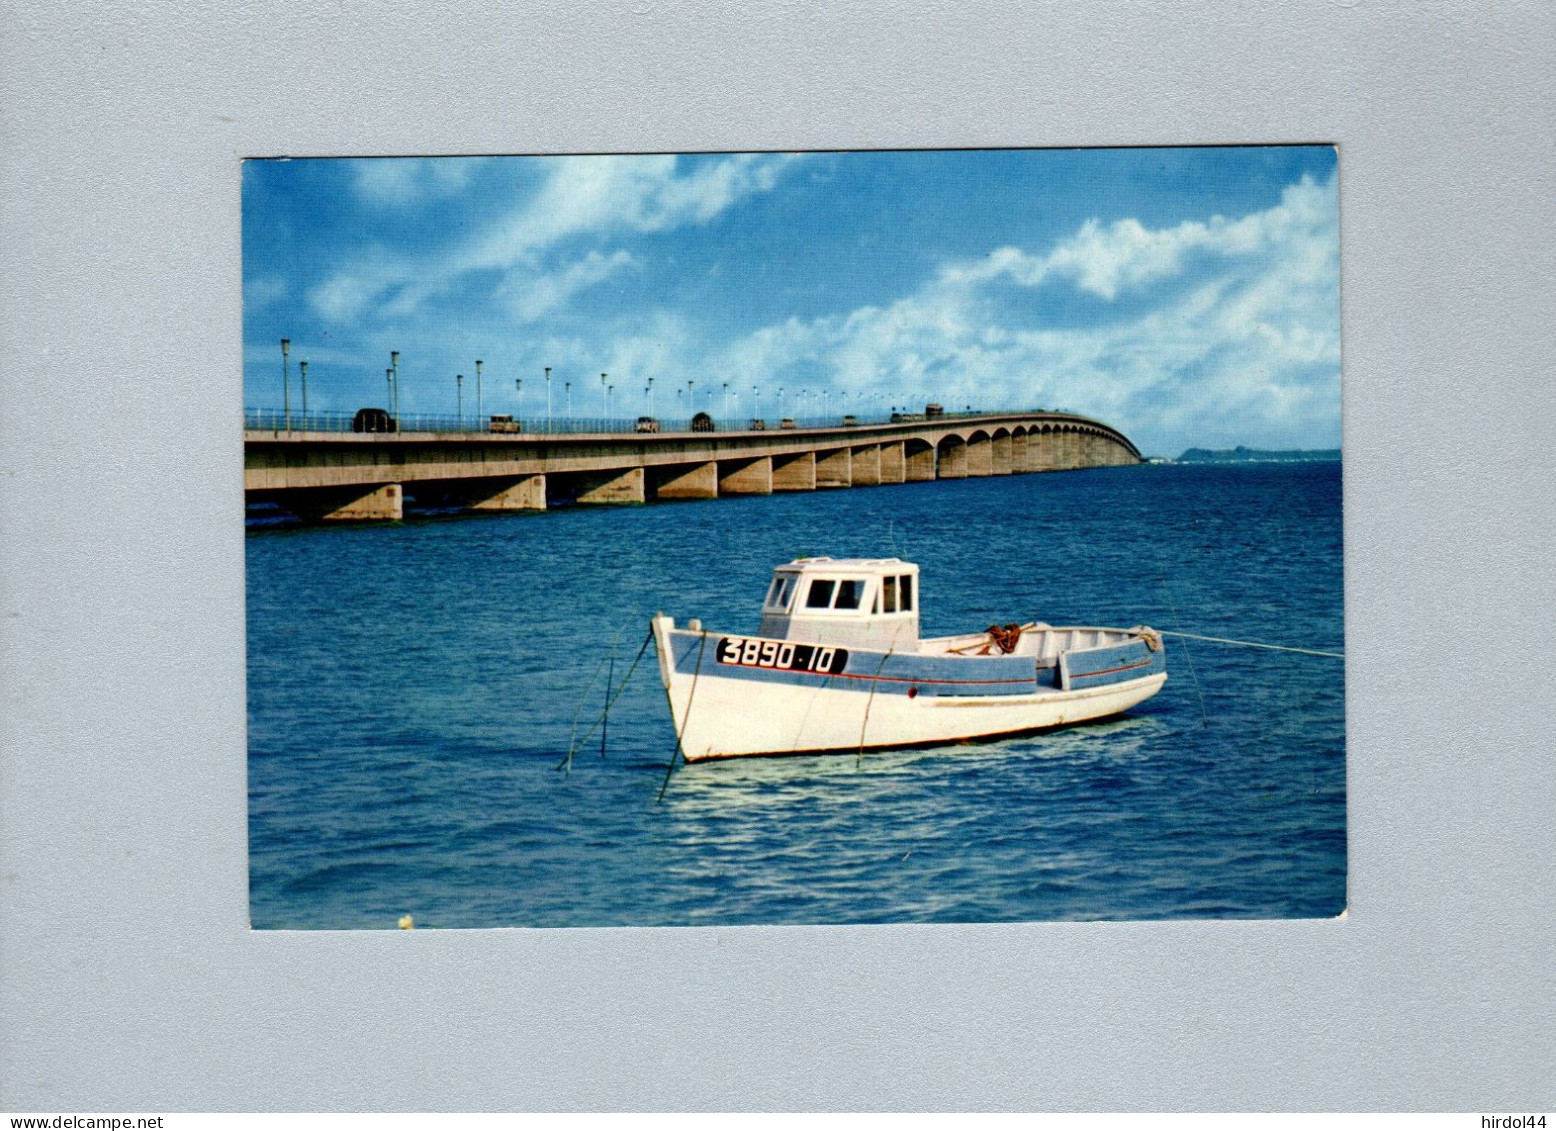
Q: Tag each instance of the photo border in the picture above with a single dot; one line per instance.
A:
(131, 978)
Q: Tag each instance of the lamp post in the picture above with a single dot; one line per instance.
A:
(756, 403)
(478, 390)
(605, 397)
(389, 388)
(548, 398)
(650, 391)
(286, 382)
(302, 367)
(726, 402)
(567, 390)
(518, 397)
(394, 401)
(691, 403)
(610, 391)
(459, 399)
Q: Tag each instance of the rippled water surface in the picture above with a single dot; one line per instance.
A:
(412, 687)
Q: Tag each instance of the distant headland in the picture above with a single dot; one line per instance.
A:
(1241, 454)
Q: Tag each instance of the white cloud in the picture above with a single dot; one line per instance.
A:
(616, 194)
(532, 296)
(400, 181)
(581, 196)
(1247, 351)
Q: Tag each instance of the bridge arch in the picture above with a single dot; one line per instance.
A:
(951, 457)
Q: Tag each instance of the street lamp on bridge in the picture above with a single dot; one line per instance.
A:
(286, 382)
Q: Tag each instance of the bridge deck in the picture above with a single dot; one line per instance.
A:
(344, 475)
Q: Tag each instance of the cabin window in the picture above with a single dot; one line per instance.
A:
(906, 585)
(888, 594)
(849, 594)
(820, 595)
(780, 592)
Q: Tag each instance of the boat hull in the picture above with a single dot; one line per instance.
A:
(724, 709)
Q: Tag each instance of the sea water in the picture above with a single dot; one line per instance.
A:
(414, 688)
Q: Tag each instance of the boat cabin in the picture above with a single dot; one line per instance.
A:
(858, 602)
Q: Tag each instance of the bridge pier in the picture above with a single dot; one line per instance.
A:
(746, 476)
(1040, 451)
(952, 463)
(919, 463)
(382, 503)
(1018, 454)
(892, 466)
(795, 473)
(679, 481)
(604, 488)
(527, 493)
(834, 468)
(1001, 455)
(979, 457)
(865, 466)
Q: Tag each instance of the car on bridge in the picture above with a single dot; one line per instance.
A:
(373, 420)
(647, 424)
(702, 422)
(502, 422)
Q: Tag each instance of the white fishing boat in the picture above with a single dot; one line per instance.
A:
(837, 664)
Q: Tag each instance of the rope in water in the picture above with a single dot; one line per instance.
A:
(1253, 644)
(609, 703)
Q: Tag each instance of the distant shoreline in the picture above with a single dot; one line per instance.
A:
(1241, 454)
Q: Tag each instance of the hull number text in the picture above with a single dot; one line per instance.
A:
(749, 653)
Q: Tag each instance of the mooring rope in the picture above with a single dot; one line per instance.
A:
(690, 697)
(1253, 644)
(573, 741)
(1204, 715)
(609, 703)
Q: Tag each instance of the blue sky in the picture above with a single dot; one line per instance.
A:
(1187, 296)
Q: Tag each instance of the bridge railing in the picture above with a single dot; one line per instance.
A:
(280, 421)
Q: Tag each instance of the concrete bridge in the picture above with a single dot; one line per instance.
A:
(345, 475)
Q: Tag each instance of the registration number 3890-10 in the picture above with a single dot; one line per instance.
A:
(751, 653)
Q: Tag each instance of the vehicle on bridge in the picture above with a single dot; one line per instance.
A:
(502, 422)
(373, 420)
(850, 421)
(647, 424)
(837, 664)
(758, 424)
(702, 422)
(786, 422)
